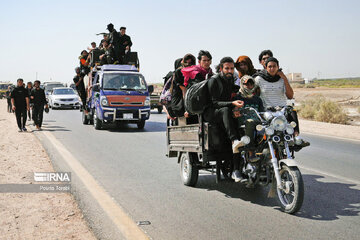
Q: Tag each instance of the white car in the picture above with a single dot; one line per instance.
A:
(64, 97)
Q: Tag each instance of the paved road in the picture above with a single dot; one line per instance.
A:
(131, 165)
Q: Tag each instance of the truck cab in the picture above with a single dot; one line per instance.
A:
(119, 93)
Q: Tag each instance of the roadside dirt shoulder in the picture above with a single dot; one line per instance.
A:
(32, 215)
(330, 129)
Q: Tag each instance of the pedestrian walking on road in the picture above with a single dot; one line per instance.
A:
(29, 87)
(20, 104)
(39, 100)
(8, 98)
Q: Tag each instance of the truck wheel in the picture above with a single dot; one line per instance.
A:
(97, 122)
(84, 118)
(188, 170)
(141, 124)
(159, 109)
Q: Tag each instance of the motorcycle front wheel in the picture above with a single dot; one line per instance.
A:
(292, 195)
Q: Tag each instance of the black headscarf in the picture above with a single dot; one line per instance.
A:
(266, 76)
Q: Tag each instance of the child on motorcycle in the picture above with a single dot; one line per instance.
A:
(249, 119)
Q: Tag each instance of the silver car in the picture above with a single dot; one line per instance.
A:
(64, 97)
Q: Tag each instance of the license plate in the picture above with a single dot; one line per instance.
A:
(128, 116)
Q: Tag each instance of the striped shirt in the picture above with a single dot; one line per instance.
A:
(271, 93)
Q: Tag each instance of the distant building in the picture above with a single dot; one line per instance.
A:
(295, 77)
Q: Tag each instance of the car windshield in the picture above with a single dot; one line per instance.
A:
(121, 81)
(64, 91)
(50, 87)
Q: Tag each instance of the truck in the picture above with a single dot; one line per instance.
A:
(3, 88)
(117, 94)
(155, 101)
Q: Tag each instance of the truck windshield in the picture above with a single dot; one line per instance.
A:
(122, 81)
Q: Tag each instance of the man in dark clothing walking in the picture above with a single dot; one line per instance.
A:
(20, 104)
(29, 87)
(39, 100)
(8, 98)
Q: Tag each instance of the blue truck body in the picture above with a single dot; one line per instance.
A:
(113, 100)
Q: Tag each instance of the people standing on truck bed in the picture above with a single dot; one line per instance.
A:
(263, 56)
(244, 66)
(178, 89)
(107, 56)
(125, 42)
(80, 87)
(105, 38)
(84, 64)
(195, 74)
(39, 100)
(114, 42)
(20, 104)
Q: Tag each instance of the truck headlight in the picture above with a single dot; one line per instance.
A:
(104, 101)
(147, 101)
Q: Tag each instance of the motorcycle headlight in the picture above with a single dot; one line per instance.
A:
(147, 101)
(104, 101)
(269, 131)
(267, 116)
(259, 127)
(279, 124)
(293, 124)
(245, 139)
(289, 130)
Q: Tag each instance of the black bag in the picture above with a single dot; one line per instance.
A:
(197, 97)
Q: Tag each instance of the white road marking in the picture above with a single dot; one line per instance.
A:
(330, 175)
(123, 222)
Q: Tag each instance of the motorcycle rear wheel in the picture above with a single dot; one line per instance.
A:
(291, 198)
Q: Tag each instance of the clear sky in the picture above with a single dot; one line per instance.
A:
(319, 38)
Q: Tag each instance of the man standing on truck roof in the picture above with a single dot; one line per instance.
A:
(125, 41)
(107, 56)
(20, 104)
(114, 41)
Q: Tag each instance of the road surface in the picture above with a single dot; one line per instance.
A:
(131, 165)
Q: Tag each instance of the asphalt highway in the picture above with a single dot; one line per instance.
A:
(131, 165)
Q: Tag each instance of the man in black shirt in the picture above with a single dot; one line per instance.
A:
(20, 104)
(114, 41)
(39, 100)
(125, 42)
(221, 88)
(80, 87)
